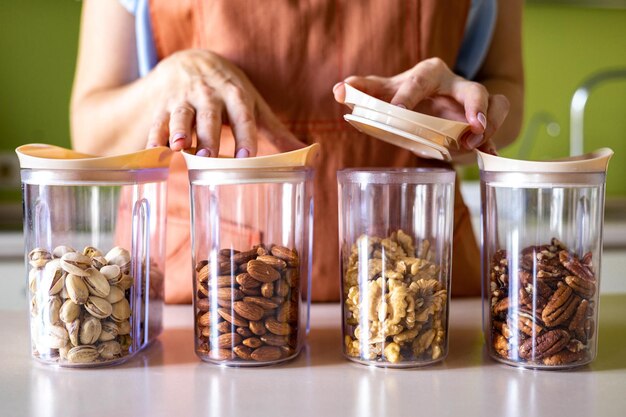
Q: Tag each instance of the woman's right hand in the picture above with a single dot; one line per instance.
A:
(200, 91)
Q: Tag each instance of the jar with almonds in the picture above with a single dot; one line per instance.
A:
(94, 255)
(395, 237)
(542, 247)
(251, 247)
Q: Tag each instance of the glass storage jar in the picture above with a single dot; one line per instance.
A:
(94, 242)
(395, 240)
(251, 247)
(541, 255)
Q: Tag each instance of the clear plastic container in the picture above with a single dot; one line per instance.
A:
(94, 244)
(395, 239)
(542, 247)
(251, 244)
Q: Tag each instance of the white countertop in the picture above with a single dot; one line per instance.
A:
(169, 380)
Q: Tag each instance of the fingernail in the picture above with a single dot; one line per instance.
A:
(242, 153)
(474, 140)
(152, 145)
(204, 152)
(402, 106)
(339, 84)
(482, 119)
(178, 137)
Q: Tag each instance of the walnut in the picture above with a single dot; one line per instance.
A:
(392, 352)
(401, 303)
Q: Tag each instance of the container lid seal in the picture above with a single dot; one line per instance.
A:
(596, 161)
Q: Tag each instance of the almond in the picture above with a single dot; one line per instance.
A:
(224, 327)
(227, 340)
(274, 340)
(243, 257)
(258, 328)
(272, 261)
(204, 319)
(245, 280)
(281, 288)
(224, 303)
(276, 327)
(243, 352)
(205, 331)
(251, 291)
(227, 293)
(262, 272)
(224, 281)
(220, 354)
(244, 332)
(266, 354)
(286, 254)
(252, 342)
(248, 311)
(201, 265)
(202, 304)
(287, 312)
(232, 317)
(292, 276)
(228, 252)
(261, 301)
(267, 289)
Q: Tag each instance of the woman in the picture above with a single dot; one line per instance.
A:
(252, 78)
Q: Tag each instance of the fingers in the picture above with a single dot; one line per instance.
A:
(208, 125)
(499, 107)
(159, 131)
(240, 111)
(475, 100)
(181, 123)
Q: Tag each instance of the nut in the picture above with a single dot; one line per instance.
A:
(109, 349)
(266, 354)
(97, 283)
(261, 302)
(76, 289)
(69, 311)
(115, 294)
(248, 311)
(90, 330)
(82, 354)
(288, 255)
(75, 263)
(233, 318)
(276, 327)
(262, 272)
(120, 311)
(272, 261)
(227, 340)
(101, 308)
(39, 257)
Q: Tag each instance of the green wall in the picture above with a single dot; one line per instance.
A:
(562, 46)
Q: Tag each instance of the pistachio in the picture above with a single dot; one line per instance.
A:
(115, 295)
(75, 263)
(121, 310)
(52, 309)
(113, 273)
(61, 250)
(123, 327)
(53, 277)
(92, 252)
(73, 329)
(82, 354)
(110, 331)
(64, 350)
(99, 262)
(34, 307)
(76, 289)
(56, 337)
(126, 282)
(39, 257)
(64, 294)
(125, 341)
(120, 257)
(109, 349)
(97, 283)
(90, 331)
(69, 311)
(99, 307)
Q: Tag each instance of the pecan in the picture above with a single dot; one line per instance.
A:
(561, 306)
(503, 328)
(528, 326)
(501, 345)
(582, 287)
(573, 265)
(544, 345)
(564, 357)
(502, 306)
(587, 260)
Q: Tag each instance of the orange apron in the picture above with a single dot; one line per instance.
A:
(294, 52)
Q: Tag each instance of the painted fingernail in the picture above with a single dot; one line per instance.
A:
(178, 137)
(336, 86)
(482, 119)
(242, 153)
(474, 140)
(402, 106)
(204, 152)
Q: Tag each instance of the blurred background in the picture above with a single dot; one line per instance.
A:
(568, 44)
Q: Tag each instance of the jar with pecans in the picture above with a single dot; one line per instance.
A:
(542, 247)
(251, 232)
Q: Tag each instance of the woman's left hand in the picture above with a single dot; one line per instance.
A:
(431, 87)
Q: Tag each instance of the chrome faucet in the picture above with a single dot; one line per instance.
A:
(579, 101)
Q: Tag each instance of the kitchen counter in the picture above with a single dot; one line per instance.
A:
(168, 379)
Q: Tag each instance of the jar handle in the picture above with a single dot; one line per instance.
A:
(141, 266)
